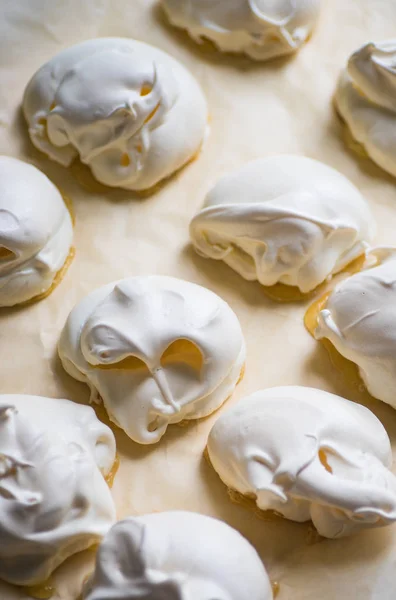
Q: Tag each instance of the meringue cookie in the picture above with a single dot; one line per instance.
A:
(308, 454)
(157, 350)
(131, 112)
(54, 500)
(262, 29)
(283, 219)
(155, 557)
(36, 232)
(359, 320)
(366, 100)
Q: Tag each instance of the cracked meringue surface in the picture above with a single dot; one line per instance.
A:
(36, 232)
(157, 350)
(54, 500)
(128, 110)
(154, 557)
(359, 318)
(284, 219)
(366, 100)
(262, 29)
(308, 455)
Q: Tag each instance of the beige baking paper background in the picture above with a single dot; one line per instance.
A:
(256, 110)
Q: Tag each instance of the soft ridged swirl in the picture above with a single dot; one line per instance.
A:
(121, 341)
(157, 557)
(359, 321)
(54, 500)
(36, 232)
(366, 100)
(262, 29)
(308, 454)
(286, 219)
(131, 112)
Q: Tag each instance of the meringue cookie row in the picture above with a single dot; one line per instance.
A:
(55, 502)
(284, 219)
(123, 107)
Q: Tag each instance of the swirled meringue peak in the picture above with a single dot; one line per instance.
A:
(129, 111)
(156, 350)
(262, 29)
(366, 100)
(283, 219)
(308, 454)
(157, 556)
(36, 232)
(54, 500)
(359, 320)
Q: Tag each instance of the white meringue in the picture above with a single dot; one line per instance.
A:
(174, 556)
(308, 454)
(262, 29)
(131, 112)
(359, 320)
(157, 350)
(36, 232)
(54, 500)
(366, 100)
(284, 219)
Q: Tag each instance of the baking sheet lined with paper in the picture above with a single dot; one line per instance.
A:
(256, 110)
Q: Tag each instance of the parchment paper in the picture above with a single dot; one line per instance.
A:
(256, 110)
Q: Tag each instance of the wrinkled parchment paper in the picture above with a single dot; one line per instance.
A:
(256, 110)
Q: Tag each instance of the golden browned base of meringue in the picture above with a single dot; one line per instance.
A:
(57, 280)
(348, 369)
(85, 178)
(280, 292)
(249, 502)
(283, 293)
(187, 422)
(109, 478)
(105, 417)
(350, 142)
(42, 591)
(62, 272)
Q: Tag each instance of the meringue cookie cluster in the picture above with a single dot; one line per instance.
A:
(157, 350)
(54, 500)
(308, 455)
(366, 100)
(262, 29)
(36, 232)
(154, 557)
(284, 219)
(123, 107)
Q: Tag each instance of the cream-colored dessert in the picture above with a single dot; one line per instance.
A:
(54, 500)
(359, 320)
(129, 111)
(177, 555)
(156, 350)
(36, 232)
(308, 455)
(262, 29)
(284, 219)
(366, 100)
